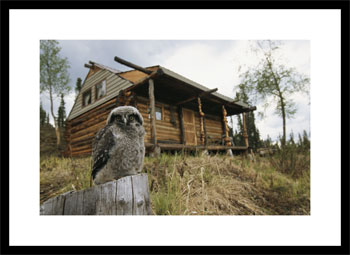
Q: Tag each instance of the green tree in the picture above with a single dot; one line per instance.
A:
(300, 141)
(78, 86)
(252, 130)
(306, 141)
(54, 76)
(239, 134)
(272, 82)
(61, 113)
(291, 138)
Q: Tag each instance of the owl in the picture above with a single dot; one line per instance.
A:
(118, 149)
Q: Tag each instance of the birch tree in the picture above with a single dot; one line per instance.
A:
(54, 76)
(271, 82)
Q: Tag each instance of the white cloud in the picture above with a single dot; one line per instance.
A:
(297, 54)
(204, 64)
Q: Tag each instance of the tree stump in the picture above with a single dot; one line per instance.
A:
(126, 196)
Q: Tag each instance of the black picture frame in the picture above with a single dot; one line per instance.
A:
(5, 143)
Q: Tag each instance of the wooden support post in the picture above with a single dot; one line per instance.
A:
(182, 126)
(153, 116)
(245, 134)
(126, 196)
(201, 114)
(226, 129)
(205, 132)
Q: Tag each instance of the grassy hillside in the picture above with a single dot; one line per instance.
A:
(48, 141)
(201, 185)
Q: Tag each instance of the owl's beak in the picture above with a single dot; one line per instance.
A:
(124, 121)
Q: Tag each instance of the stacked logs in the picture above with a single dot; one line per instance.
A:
(80, 131)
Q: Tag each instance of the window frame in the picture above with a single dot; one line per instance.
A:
(161, 106)
(84, 93)
(98, 83)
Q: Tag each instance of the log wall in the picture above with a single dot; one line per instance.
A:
(81, 131)
(166, 131)
(213, 128)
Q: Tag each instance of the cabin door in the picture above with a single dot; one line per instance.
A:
(190, 127)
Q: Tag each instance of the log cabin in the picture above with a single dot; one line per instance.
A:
(179, 114)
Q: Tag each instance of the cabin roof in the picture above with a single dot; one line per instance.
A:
(201, 87)
(116, 71)
(171, 83)
(168, 72)
(139, 76)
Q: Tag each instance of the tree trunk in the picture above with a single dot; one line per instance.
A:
(155, 150)
(284, 122)
(282, 103)
(58, 134)
(126, 196)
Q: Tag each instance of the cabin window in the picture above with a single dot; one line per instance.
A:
(158, 112)
(87, 97)
(101, 89)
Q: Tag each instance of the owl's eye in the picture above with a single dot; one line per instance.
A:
(118, 117)
(131, 117)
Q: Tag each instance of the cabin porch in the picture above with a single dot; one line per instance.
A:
(198, 114)
(183, 147)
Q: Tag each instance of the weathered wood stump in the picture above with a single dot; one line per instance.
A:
(126, 196)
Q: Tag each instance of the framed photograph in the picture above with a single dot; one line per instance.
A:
(210, 128)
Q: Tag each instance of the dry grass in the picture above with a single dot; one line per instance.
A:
(59, 175)
(190, 185)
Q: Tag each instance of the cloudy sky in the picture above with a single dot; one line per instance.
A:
(212, 63)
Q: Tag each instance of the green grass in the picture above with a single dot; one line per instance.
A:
(199, 185)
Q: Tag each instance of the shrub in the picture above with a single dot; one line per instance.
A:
(291, 160)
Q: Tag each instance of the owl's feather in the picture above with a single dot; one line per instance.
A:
(102, 145)
(118, 149)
